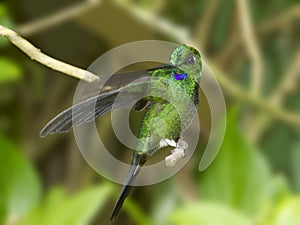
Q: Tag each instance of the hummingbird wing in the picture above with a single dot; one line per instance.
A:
(122, 79)
(128, 84)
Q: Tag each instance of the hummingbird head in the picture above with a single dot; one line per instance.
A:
(188, 60)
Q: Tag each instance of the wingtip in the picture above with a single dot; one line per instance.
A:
(42, 135)
(44, 132)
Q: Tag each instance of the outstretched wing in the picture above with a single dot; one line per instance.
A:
(94, 107)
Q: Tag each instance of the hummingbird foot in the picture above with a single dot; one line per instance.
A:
(176, 154)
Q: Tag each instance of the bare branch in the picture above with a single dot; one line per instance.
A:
(266, 26)
(35, 54)
(280, 21)
(288, 84)
(235, 91)
(56, 18)
(285, 87)
(251, 45)
(289, 81)
(160, 24)
(205, 23)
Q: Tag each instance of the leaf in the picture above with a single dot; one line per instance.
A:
(278, 147)
(5, 20)
(60, 209)
(295, 165)
(239, 177)
(19, 185)
(287, 213)
(207, 214)
(9, 71)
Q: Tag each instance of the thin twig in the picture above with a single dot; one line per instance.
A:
(289, 81)
(205, 23)
(251, 45)
(56, 18)
(267, 26)
(288, 84)
(35, 54)
(281, 20)
(238, 93)
(160, 23)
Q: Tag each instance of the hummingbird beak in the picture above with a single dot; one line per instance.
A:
(164, 66)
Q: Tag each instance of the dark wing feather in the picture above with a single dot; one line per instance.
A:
(83, 112)
(94, 107)
(120, 80)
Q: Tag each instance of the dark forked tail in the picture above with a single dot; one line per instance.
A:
(128, 184)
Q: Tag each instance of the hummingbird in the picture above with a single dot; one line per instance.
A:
(170, 88)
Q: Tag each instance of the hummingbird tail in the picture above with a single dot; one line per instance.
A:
(127, 186)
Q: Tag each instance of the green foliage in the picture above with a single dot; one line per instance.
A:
(20, 192)
(135, 213)
(9, 71)
(280, 139)
(4, 16)
(287, 212)
(207, 214)
(295, 165)
(19, 185)
(240, 176)
(4, 20)
(60, 209)
(239, 188)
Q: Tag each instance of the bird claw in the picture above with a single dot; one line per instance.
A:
(182, 144)
(176, 154)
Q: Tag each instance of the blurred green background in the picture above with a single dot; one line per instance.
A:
(252, 47)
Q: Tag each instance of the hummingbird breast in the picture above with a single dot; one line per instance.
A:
(166, 120)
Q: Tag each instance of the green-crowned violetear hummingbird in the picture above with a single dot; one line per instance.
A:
(166, 95)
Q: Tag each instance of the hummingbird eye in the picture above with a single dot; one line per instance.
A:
(191, 60)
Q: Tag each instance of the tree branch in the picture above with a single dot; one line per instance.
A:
(56, 18)
(251, 45)
(266, 26)
(273, 110)
(280, 21)
(205, 23)
(149, 18)
(35, 54)
(289, 81)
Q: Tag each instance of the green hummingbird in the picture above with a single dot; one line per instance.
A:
(165, 93)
